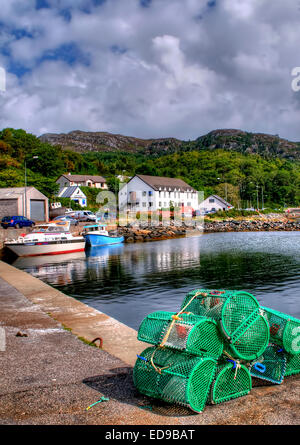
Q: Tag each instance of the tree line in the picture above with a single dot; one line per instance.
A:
(244, 179)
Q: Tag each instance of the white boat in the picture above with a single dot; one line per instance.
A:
(46, 239)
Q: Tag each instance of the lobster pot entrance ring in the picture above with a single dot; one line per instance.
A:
(240, 318)
(284, 330)
(175, 377)
(231, 381)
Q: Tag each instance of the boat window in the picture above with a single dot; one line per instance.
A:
(40, 229)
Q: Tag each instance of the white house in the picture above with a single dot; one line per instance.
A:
(74, 193)
(69, 180)
(214, 203)
(145, 192)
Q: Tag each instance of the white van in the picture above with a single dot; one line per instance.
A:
(85, 215)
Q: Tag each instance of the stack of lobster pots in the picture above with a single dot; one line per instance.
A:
(210, 351)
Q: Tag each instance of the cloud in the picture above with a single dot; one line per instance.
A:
(150, 68)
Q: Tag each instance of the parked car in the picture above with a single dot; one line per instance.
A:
(85, 215)
(72, 220)
(16, 221)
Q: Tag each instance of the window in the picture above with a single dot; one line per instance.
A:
(159, 204)
(150, 193)
(150, 204)
(211, 200)
(144, 193)
(144, 204)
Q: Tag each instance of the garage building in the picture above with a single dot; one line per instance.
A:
(23, 201)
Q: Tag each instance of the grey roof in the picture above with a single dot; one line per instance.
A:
(15, 192)
(67, 192)
(79, 178)
(12, 191)
(157, 182)
(219, 198)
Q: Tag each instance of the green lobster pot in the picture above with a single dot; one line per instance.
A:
(175, 377)
(292, 365)
(284, 330)
(231, 381)
(239, 316)
(190, 333)
(271, 366)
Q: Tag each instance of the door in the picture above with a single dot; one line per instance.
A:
(8, 207)
(37, 210)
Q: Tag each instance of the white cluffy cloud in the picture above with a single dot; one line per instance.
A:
(172, 68)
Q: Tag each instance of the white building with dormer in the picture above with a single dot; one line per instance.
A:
(144, 193)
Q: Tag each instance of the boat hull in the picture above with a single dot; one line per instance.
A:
(102, 240)
(46, 248)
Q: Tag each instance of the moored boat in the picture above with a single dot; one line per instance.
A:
(97, 235)
(46, 239)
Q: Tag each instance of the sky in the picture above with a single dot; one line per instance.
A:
(150, 68)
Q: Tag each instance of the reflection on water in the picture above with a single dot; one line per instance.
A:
(130, 281)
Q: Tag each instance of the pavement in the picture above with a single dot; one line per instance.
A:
(49, 376)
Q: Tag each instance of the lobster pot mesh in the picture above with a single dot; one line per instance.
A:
(271, 366)
(292, 364)
(191, 333)
(184, 379)
(284, 330)
(239, 316)
(230, 383)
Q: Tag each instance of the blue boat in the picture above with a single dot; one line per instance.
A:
(97, 235)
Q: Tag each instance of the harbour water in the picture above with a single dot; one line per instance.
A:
(128, 281)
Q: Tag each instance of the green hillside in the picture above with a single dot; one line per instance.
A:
(240, 175)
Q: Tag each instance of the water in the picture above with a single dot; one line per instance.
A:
(129, 281)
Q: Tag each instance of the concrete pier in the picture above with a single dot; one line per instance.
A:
(50, 375)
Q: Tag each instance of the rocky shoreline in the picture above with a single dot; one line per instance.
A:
(250, 226)
(145, 234)
(135, 234)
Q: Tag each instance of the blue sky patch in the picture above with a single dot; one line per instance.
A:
(145, 3)
(40, 4)
(118, 49)
(212, 3)
(17, 68)
(69, 53)
(66, 14)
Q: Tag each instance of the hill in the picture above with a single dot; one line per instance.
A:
(83, 142)
(217, 163)
(267, 146)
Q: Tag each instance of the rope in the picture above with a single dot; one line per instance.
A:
(175, 318)
(157, 369)
(236, 362)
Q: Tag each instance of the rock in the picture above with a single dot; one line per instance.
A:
(21, 334)
(130, 239)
